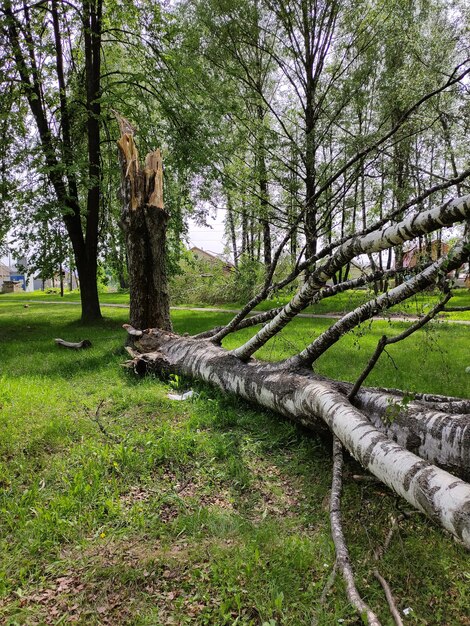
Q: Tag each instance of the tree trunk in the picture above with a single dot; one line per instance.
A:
(145, 221)
(61, 171)
(231, 228)
(316, 402)
(87, 266)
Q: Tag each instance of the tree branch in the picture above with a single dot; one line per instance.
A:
(424, 279)
(386, 341)
(342, 553)
(421, 223)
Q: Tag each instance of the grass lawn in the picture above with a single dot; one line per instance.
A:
(200, 512)
(419, 304)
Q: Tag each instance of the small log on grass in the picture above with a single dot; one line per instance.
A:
(85, 343)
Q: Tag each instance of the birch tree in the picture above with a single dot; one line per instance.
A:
(411, 452)
(420, 448)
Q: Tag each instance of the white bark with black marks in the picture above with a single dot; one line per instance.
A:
(308, 399)
(424, 222)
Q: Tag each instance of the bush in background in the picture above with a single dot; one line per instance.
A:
(202, 282)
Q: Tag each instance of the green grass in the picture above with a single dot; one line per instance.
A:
(203, 512)
(344, 302)
(69, 296)
(419, 304)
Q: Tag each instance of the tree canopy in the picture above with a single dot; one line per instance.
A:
(307, 117)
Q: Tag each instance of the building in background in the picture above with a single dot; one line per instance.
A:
(211, 258)
(16, 278)
(418, 253)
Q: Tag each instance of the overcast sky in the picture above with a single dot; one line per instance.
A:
(208, 238)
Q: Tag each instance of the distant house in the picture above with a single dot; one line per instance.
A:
(438, 248)
(43, 284)
(212, 259)
(12, 286)
(29, 282)
(10, 282)
(414, 255)
(4, 273)
(11, 279)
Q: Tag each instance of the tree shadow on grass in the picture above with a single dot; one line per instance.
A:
(27, 343)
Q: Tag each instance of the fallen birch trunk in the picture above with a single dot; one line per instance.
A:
(315, 402)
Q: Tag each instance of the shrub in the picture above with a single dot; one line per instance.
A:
(202, 282)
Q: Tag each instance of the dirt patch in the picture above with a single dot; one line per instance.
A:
(116, 579)
(70, 599)
(279, 495)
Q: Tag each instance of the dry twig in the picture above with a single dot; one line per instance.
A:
(342, 554)
(96, 418)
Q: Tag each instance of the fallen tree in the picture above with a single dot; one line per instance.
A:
(408, 443)
(407, 449)
(311, 401)
(434, 428)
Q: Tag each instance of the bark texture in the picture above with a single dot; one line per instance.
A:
(312, 401)
(144, 221)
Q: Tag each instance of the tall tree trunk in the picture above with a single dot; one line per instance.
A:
(245, 237)
(231, 226)
(293, 204)
(263, 191)
(87, 266)
(144, 220)
(60, 172)
(92, 16)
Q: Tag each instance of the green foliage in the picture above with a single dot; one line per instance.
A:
(394, 409)
(203, 282)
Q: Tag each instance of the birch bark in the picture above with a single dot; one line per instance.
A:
(310, 400)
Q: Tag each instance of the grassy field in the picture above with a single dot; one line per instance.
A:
(154, 512)
(341, 303)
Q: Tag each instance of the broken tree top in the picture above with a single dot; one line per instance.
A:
(145, 186)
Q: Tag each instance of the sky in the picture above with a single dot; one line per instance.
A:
(210, 238)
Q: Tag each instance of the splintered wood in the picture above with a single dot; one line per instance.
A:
(144, 221)
(154, 178)
(130, 161)
(145, 187)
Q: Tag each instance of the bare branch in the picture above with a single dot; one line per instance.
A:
(390, 599)
(342, 553)
(96, 418)
(424, 279)
(421, 223)
(385, 341)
